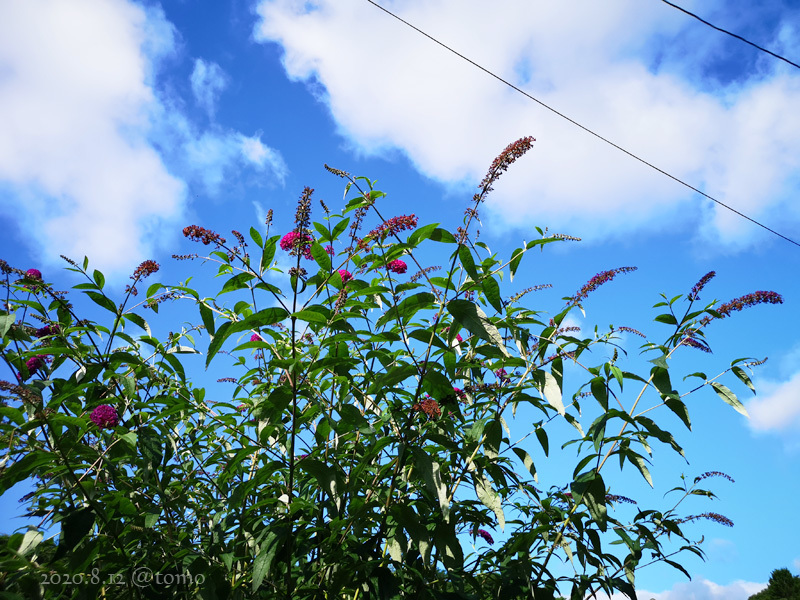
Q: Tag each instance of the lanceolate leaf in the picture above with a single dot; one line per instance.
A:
(433, 477)
(739, 372)
(468, 262)
(527, 461)
(492, 290)
(729, 397)
(471, 317)
(262, 318)
(407, 308)
(552, 393)
(263, 560)
(490, 499)
(640, 464)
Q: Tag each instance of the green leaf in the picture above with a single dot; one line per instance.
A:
(600, 392)
(552, 392)
(256, 236)
(437, 385)
(30, 540)
(326, 478)
(311, 316)
(340, 227)
(490, 499)
(392, 377)
(661, 380)
(99, 279)
(262, 318)
(666, 318)
(492, 291)
(640, 463)
(516, 257)
(527, 461)
(6, 321)
(237, 282)
(739, 372)
(407, 308)
(269, 252)
(590, 489)
(264, 558)
(543, 441)
(468, 262)
(208, 318)
(442, 235)
(433, 477)
(426, 336)
(471, 317)
(321, 257)
(679, 408)
(150, 446)
(103, 301)
(421, 233)
(730, 398)
(73, 529)
(23, 468)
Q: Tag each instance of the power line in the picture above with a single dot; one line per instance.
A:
(586, 129)
(738, 37)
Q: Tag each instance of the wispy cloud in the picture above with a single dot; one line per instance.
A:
(208, 81)
(740, 142)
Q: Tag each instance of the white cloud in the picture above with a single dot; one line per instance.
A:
(211, 156)
(94, 159)
(585, 59)
(698, 589)
(262, 157)
(75, 98)
(208, 81)
(777, 406)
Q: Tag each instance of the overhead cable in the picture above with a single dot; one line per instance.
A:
(586, 129)
(738, 37)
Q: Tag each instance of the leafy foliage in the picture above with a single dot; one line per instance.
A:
(366, 446)
(782, 586)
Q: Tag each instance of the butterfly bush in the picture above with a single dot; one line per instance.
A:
(365, 445)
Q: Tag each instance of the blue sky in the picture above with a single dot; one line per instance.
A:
(122, 122)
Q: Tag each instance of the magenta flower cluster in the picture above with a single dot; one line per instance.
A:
(34, 274)
(486, 536)
(256, 338)
(298, 242)
(397, 266)
(105, 417)
(34, 363)
(47, 330)
(345, 275)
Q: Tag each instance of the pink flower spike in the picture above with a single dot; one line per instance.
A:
(34, 274)
(345, 275)
(256, 338)
(486, 536)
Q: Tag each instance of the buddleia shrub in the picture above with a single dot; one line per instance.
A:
(358, 443)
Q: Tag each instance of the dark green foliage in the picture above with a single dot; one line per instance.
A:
(782, 586)
(357, 445)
